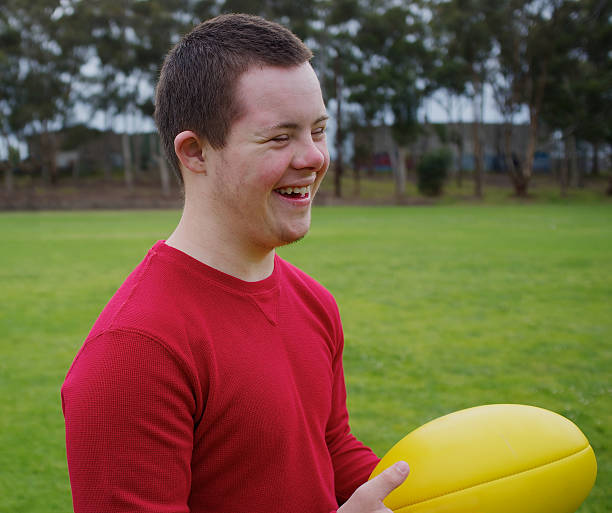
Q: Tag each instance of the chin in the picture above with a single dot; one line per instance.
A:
(294, 241)
(290, 236)
(291, 239)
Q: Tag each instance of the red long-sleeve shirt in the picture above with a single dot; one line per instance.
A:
(196, 391)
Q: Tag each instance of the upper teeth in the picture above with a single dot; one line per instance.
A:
(295, 190)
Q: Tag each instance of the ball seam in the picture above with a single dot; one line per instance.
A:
(587, 446)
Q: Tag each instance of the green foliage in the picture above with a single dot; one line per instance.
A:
(77, 135)
(432, 171)
(391, 79)
(296, 15)
(579, 87)
(130, 40)
(443, 132)
(35, 85)
(381, 58)
(462, 37)
(14, 156)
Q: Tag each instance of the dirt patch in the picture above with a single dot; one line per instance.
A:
(86, 195)
(90, 196)
(116, 196)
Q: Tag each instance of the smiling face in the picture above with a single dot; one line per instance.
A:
(262, 182)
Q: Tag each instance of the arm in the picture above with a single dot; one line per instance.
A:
(128, 407)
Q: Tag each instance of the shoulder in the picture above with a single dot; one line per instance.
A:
(295, 282)
(143, 300)
(143, 331)
(293, 276)
(162, 301)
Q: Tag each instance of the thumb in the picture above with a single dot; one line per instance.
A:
(387, 481)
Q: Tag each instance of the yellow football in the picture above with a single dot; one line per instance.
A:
(498, 458)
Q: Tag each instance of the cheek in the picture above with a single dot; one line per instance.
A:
(271, 168)
(256, 173)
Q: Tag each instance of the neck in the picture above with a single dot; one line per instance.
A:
(199, 236)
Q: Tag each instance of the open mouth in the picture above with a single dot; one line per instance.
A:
(294, 192)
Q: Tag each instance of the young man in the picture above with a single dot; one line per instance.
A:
(212, 381)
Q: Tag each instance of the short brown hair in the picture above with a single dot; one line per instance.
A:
(197, 83)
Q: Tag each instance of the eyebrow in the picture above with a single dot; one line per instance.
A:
(293, 126)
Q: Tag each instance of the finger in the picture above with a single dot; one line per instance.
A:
(383, 484)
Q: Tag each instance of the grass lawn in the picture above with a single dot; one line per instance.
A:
(444, 307)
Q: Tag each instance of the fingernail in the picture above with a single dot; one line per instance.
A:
(403, 467)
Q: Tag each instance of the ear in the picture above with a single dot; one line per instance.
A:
(190, 150)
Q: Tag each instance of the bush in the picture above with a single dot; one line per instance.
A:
(432, 171)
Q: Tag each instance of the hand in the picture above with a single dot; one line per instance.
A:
(369, 496)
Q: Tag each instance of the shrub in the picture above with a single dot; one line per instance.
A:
(432, 171)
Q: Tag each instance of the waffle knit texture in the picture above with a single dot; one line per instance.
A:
(198, 392)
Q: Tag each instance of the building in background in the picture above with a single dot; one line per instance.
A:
(375, 151)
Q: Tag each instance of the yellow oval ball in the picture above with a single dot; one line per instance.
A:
(498, 458)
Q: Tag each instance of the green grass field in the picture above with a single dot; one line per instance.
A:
(444, 307)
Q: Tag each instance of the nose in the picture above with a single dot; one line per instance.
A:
(310, 155)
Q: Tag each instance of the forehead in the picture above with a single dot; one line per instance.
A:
(269, 95)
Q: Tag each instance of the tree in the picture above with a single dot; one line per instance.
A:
(9, 74)
(527, 35)
(298, 16)
(36, 75)
(563, 106)
(463, 30)
(449, 76)
(389, 84)
(127, 41)
(335, 59)
(594, 42)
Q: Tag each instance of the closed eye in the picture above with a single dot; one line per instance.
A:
(280, 138)
(319, 133)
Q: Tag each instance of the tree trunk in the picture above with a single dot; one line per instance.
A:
(595, 167)
(49, 150)
(356, 182)
(534, 113)
(478, 156)
(76, 168)
(580, 166)
(108, 164)
(52, 163)
(508, 160)
(136, 147)
(338, 172)
(459, 141)
(107, 169)
(513, 167)
(127, 161)
(400, 172)
(564, 173)
(425, 136)
(460, 167)
(9, 184)
(339, 166)
(526, 168)
(572, 160)
(477, 159)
